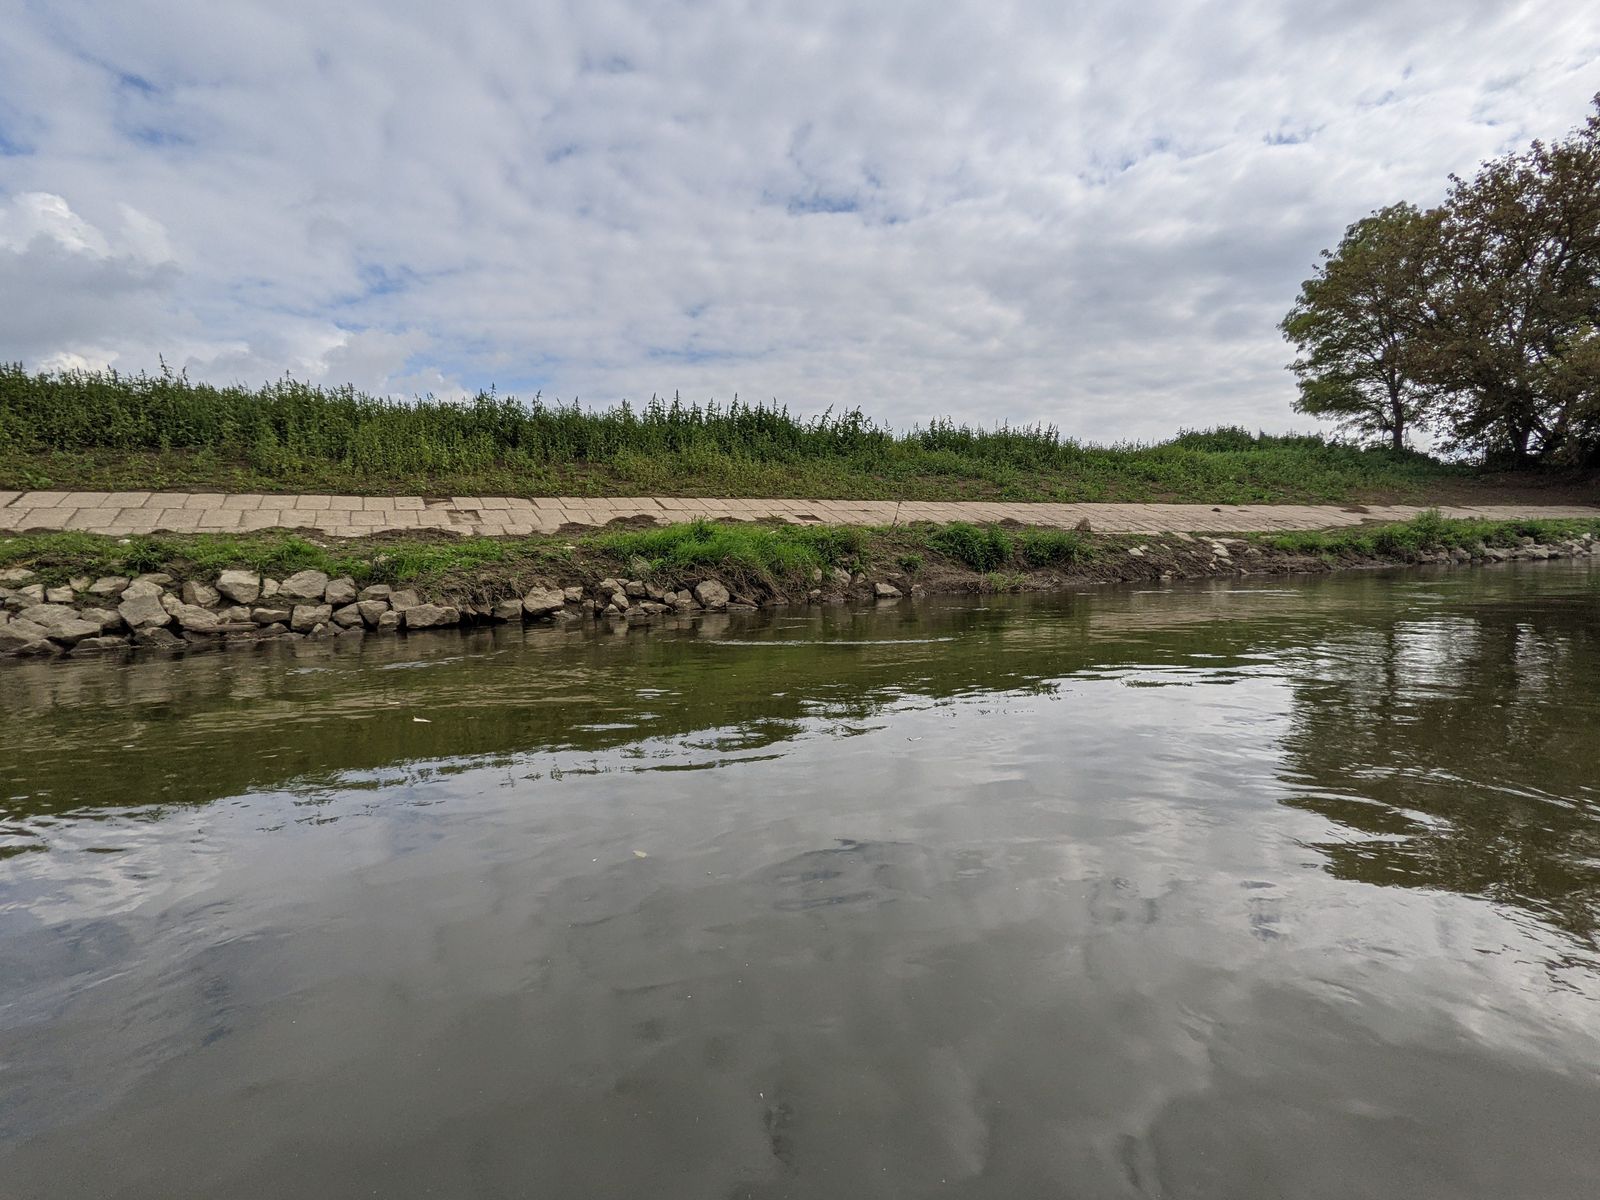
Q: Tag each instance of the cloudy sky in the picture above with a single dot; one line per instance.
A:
(1087, 214)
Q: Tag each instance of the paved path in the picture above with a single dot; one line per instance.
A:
(123, 513)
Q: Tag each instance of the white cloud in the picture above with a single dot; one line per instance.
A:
(1091, 215)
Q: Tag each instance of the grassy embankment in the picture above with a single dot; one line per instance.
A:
(103, 431)
(766, 558)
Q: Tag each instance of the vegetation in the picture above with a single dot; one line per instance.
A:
(1478, 320)
(769, 555)
(1425, 532)
(104, 430)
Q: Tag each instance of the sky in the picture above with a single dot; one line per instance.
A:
(1087, 215)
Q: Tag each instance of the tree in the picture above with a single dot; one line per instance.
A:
(1361, 325)
(1515, 348)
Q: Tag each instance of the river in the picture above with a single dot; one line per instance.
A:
(1231, 891)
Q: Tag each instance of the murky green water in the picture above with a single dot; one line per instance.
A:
(1232, 892)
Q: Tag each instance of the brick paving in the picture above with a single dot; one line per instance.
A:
(126, 513)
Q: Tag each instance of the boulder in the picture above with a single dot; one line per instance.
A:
(839, 577)
(541, 602)
(160, 578)
(608, 585)
(304, 585)
(192, 618)
(270, 588)
(372, 610)
(234, 614)
(340, 592)
(886, 591)
(431, 616)
(143, 611)
(635, 589)
(22, 637)
(59, 595)
(271, 615)
(348, 616)
(33, 593)
(375, 591)
(139, 589)
(507, 610)
(402, 600)
(48, 614)
(242, 587)
(306, 617)
(70, 633)
(15, 576)
(108, 587)
(108, 621)
(388, 621)
(200, 594)
(711, 594)
(171, 603)
(572, 595)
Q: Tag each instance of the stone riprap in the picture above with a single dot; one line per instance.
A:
(114, 613)
(124, 514)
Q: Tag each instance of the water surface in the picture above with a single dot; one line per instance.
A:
(1225, 891)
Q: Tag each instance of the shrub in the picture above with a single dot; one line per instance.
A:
(983, 549)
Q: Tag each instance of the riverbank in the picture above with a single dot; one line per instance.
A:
(108, 432)
(74, 593)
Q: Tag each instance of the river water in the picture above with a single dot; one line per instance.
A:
(1233, 891)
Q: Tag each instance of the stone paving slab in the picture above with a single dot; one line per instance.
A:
(128, 513)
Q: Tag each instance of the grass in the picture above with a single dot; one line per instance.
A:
(1426, 532)
(769, 554)
(104, 430)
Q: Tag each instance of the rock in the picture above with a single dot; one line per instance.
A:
(276, 629)
(839, 577)
(541, 602)
(572, 595)
(234, 614)
(270, 588)
(608, 586)
(403, 600)
(304, 618)
(139, 589)
(1083, 526)
(70, 633)
(242, 587)
(100, 644)
(816, 574)
(372, 610)
(59, 595)
(155, 636)
(507, 610)
(711, 594)
(33, 593)
(192, 618)
(16, 576)
(200, 594)
(388, 621)
(23, 637)
(886, 591)
(682, 599)
(375, 591)
(171, 603)
(271, 615)
(340, 592)
(143, 611)
(160, 578)
(431, 616)
(48, 615)
(634, 589)
(655, 608)
(348, 616)
(108, 621)
(108, 587)
(304, 585)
